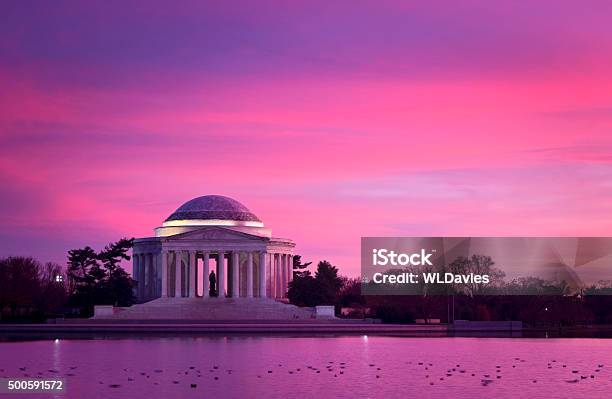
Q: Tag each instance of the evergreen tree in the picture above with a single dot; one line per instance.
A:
(118, 285)
(303, 291)
(299, 267)
(322, 289)
(98, 278)
(328, 283)
(80, 262)
(84, 275)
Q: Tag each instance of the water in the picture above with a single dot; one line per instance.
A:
(348, 367)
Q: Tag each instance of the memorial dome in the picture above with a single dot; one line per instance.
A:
(213, 207)
(212, 210)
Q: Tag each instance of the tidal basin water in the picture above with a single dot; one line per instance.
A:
(315, 367)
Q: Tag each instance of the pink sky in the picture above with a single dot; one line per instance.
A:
(330, 121)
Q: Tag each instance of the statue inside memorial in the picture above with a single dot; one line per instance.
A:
(212, 279)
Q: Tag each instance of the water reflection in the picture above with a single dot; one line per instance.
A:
(325, 366)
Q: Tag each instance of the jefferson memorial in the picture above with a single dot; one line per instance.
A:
(212, 259)
(218, 234)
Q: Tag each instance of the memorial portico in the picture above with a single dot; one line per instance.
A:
(206, 234)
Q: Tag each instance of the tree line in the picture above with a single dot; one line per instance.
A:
(533, 300)
(30, 290)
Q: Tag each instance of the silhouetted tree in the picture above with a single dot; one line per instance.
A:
(350, 293)
(28, 289)
(98, 278)
(303, 291)
(52, 289)
(478, 265)
(118, 284)
(299, 268)
(80, 264)
(598, 298)
(18, 284)
(322, 289)
(328, 283)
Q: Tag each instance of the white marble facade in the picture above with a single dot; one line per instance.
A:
(212, 233)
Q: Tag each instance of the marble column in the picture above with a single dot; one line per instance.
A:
(221, 275)
(151, 276)
(262, 274)
(277, 276)
(178, 277)
(249, 279)
(141, 277)
(283, 266)
(205, 272)
(272, 276)
(145, 275)
(154, 259)
(136, 274)
(157, 275)
(192, 274)
(235, 274)
(164, 274)
(185, 276)
(149, 285)
(281, 275)
(289, 268)
(269, 277)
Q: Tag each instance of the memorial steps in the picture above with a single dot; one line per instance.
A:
(212, 309)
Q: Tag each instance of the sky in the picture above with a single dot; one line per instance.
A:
(329, 120)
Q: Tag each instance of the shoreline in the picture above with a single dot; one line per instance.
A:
(88, 327)
(258, 327)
